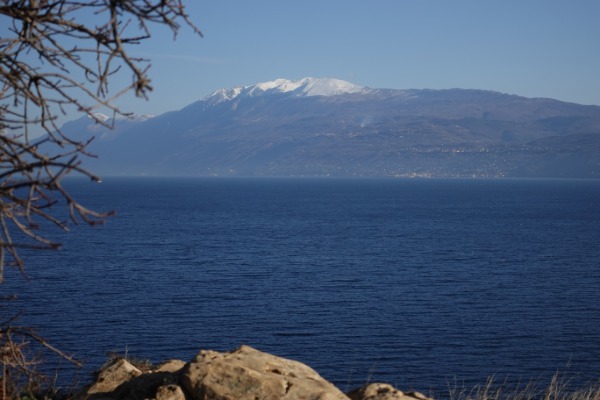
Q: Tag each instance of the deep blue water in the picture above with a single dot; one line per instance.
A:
(412, 282)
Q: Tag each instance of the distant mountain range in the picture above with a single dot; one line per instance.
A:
(329, 127)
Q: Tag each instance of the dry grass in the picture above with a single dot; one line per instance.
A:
(560, 387)
(20, 377)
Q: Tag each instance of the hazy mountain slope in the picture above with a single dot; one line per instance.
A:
(321, 127)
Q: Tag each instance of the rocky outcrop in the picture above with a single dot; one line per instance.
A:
(122, 380)
(251, 374)
(383, 391)
(245, 373)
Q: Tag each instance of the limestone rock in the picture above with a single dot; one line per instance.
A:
(170, 366)
(113, 376)
(383, 391)
(170, 392)
(122, 380)
(247, 373)
(376, 391)
(418, 396)
(243, 374)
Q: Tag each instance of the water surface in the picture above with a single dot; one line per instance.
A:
(411, 282)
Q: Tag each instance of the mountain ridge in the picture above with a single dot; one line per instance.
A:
(303, 87)
(330, 127)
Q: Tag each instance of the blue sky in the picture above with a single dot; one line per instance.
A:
(533, 48)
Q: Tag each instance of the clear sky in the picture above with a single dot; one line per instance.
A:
(533, 48)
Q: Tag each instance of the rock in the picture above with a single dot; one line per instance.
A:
(242, 374)
(383, 391)
(247, 373)
(170, 366)
(122, 380)
(113, 376)
(376, 391)
(170, 392)
(418, 396)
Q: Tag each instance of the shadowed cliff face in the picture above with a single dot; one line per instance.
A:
(371, 132)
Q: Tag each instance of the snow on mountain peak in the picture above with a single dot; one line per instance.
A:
(133, 117)
(221, 95)
(302, 87)
(99, 117)
(308, 87)
(280, 85)
(329, 87)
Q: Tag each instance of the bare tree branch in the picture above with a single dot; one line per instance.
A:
(54, 60)
(51, 63)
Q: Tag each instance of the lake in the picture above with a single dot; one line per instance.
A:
(412, 282)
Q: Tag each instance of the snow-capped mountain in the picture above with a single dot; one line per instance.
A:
(317, 127)
(302, 87)
(128, 118)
